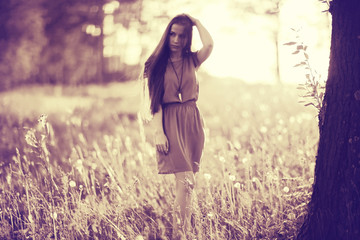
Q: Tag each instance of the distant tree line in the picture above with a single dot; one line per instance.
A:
(46, 42)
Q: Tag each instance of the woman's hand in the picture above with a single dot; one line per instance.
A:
(161, 142)
(193, 20)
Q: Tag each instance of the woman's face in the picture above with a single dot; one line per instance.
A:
(177, 38)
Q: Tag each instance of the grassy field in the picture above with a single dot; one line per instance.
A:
(88, 170)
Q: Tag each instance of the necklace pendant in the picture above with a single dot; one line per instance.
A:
(180, 96)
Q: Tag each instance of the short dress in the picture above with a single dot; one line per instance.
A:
(182, 122)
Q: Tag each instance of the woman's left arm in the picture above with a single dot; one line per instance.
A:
(205, 38)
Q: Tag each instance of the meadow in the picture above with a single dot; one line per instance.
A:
(87, 169)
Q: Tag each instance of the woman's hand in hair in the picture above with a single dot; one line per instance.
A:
(161, 142)
(193, 20)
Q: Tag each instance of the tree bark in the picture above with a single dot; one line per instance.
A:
(334, 208)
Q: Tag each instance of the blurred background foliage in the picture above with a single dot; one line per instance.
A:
(56, 42)
(77, 42)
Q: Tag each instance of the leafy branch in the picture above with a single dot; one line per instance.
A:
(314, 87)
(325, 1)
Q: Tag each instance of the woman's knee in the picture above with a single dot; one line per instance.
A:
(187, 179)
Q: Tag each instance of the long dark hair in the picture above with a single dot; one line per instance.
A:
(155, 66)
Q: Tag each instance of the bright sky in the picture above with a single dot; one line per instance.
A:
(244, 46)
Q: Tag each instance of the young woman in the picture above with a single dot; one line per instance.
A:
(173, 91)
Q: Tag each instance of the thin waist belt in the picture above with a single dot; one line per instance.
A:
(191, 102)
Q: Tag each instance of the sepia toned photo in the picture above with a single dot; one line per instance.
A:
(180, 120)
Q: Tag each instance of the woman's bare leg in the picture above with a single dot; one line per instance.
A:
(185, 182)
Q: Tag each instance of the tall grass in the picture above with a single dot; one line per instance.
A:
(93, 174)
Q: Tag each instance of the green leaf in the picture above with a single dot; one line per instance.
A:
(300, 64)
(290, 43)
(308, 104)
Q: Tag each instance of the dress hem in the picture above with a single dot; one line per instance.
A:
(173, 172)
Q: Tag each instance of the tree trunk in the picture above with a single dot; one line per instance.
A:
(276, 37)
(100, 51)
(334, 208)
(278, 76)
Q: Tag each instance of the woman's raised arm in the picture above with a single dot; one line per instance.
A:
(205, 38)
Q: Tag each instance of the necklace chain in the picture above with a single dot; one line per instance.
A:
(182, 71)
